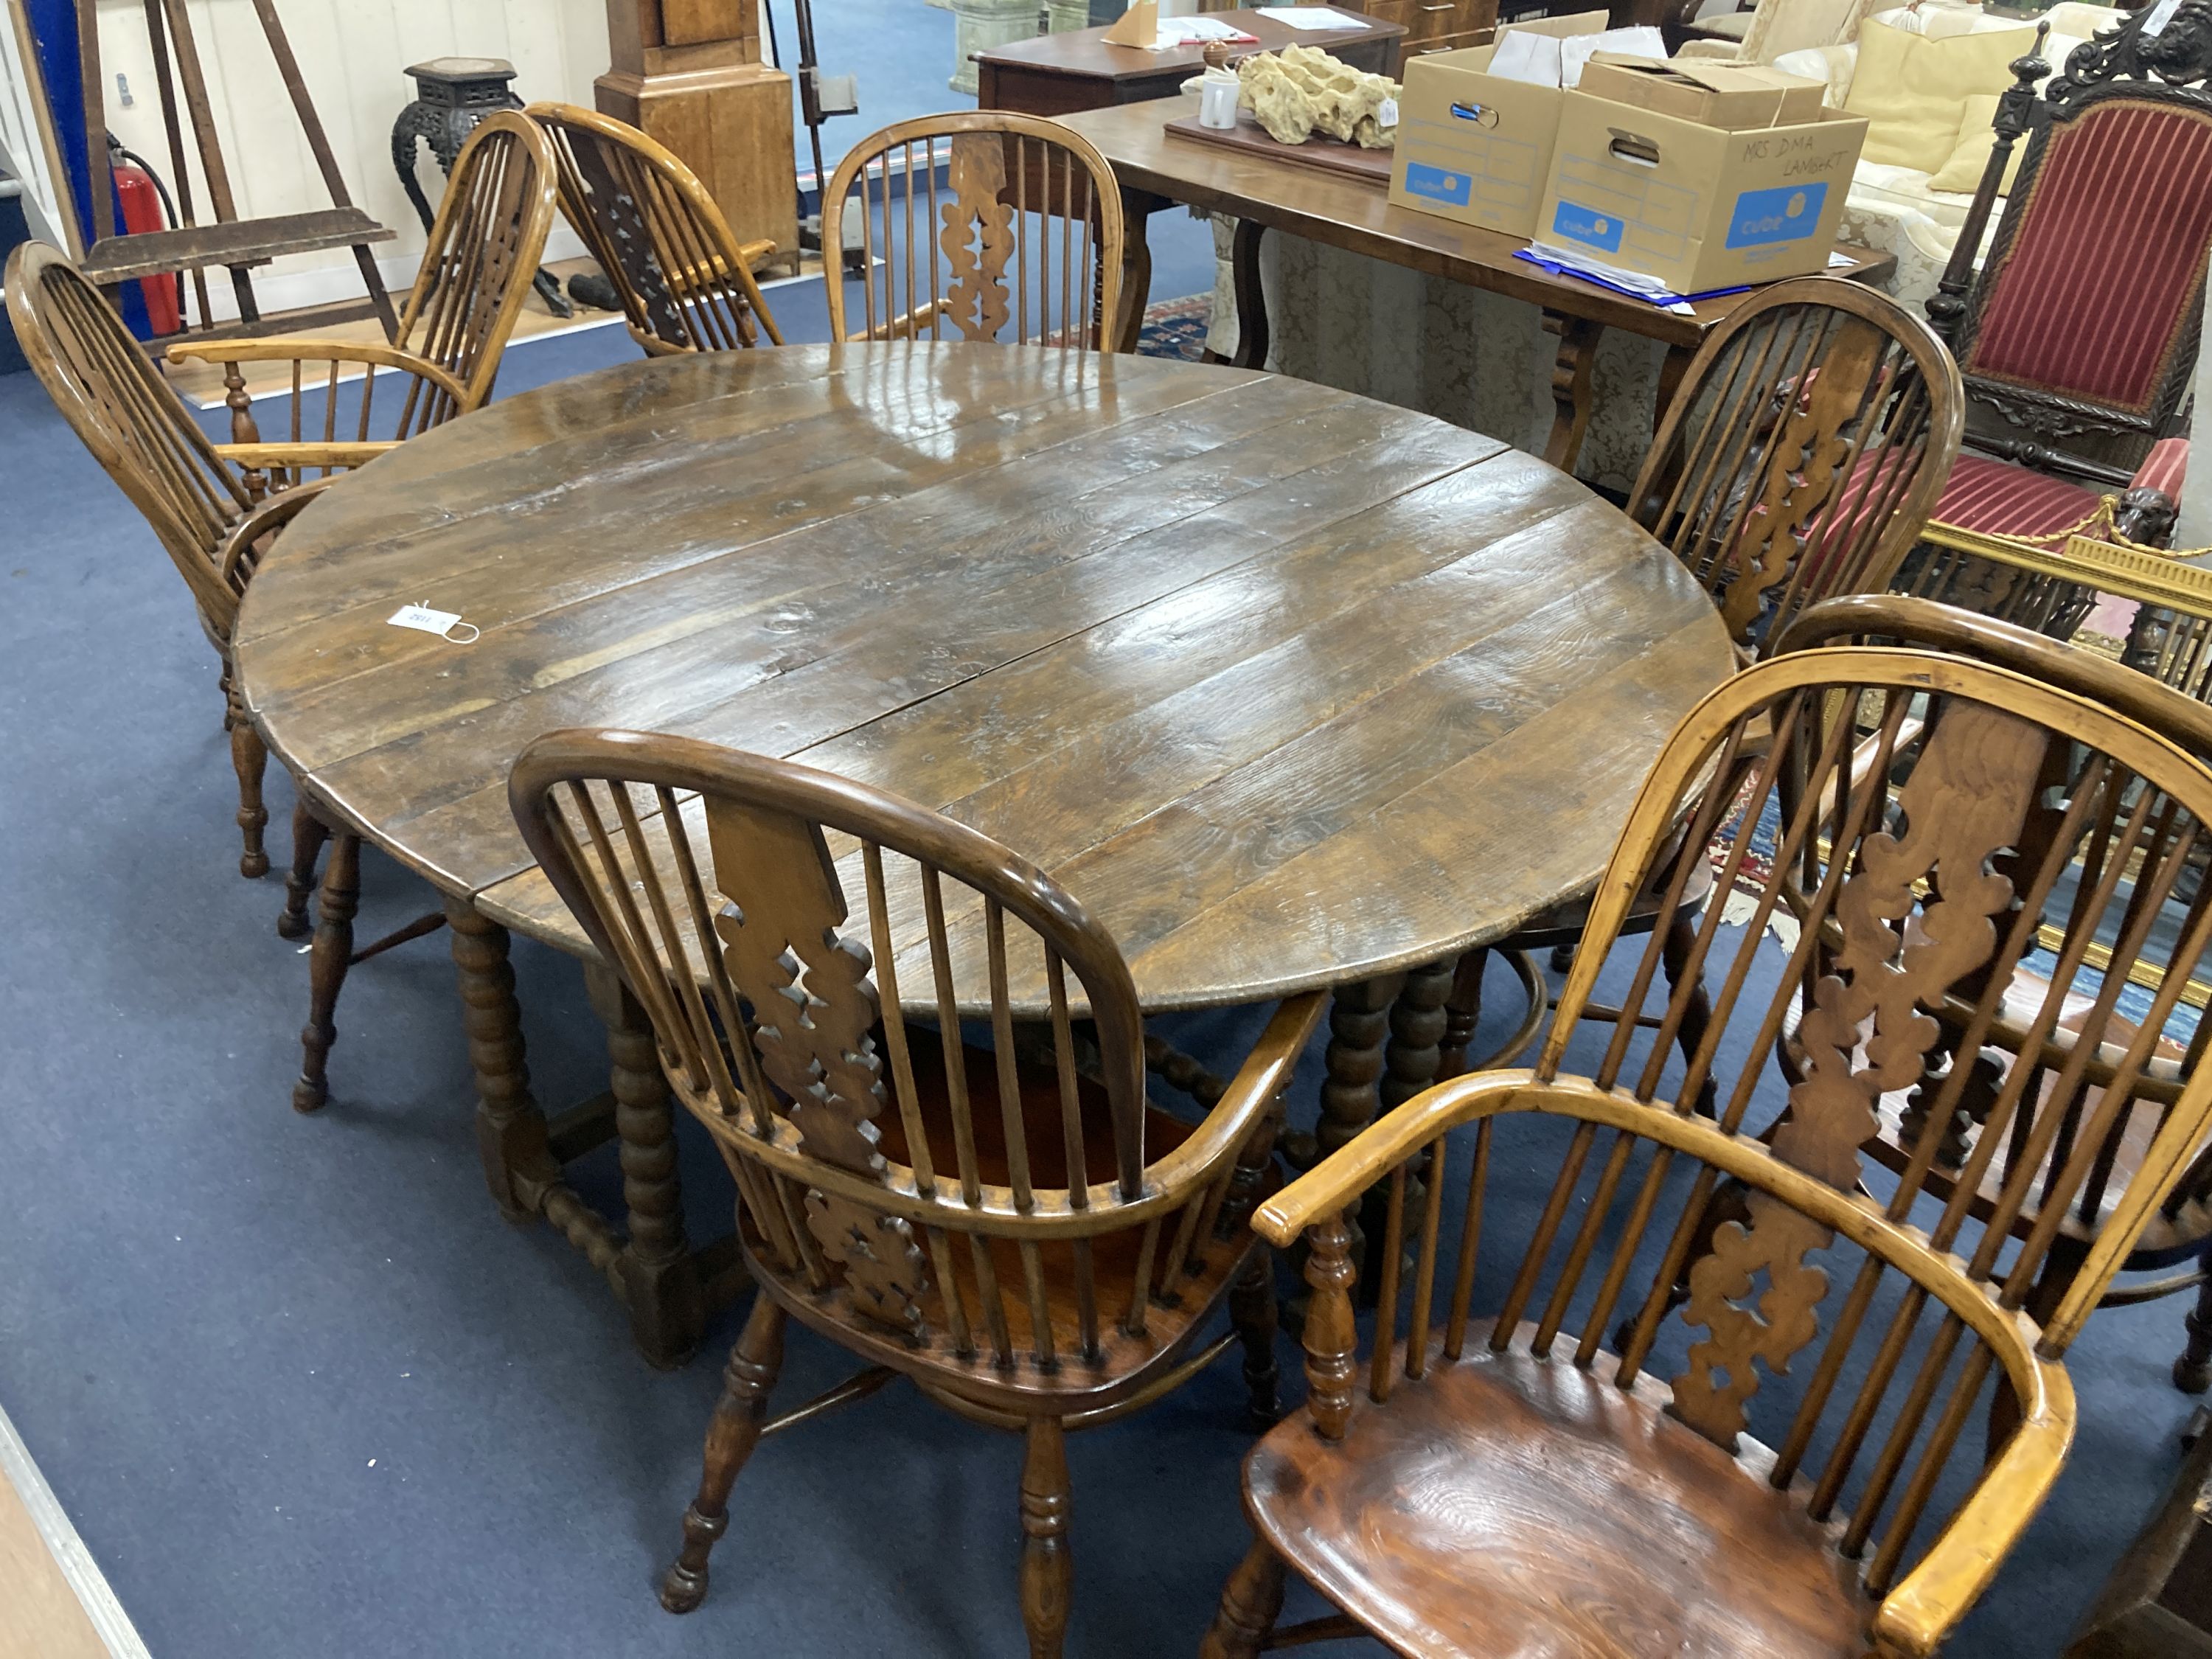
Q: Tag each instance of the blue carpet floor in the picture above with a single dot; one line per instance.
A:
(304, 1393)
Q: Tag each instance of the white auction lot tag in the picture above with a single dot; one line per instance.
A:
(440, 623)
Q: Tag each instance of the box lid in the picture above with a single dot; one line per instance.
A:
(1733, 97)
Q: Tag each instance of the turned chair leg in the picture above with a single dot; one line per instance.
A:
(2193, 1371)
(1252, 1310)
(249, 758)
(328, 959)
(731, 1434)
(1250, 1603)
(1048, 1569)
(309, 833)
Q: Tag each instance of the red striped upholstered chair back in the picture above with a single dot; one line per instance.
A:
(2080, 333)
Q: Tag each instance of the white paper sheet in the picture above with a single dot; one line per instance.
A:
(1575, 52)
(1312, 17)
(1174, 32)
(1522, 56)
(1544, 60)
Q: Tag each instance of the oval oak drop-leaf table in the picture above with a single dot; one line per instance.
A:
(1292, 688)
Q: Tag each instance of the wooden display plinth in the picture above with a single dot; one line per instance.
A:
(688, 73)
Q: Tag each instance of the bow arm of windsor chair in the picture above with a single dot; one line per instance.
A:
(1915, 1618)
(1251, 1094)
(241, 547)
(430, 394)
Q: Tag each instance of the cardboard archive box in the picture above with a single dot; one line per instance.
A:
(1704, 175)
(1475, 147)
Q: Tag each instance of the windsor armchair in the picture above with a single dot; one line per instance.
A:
(1809, 438)
(2112, 949)
(482, 253)
(194, 500)
(198, 506)
(1022, 242)
(1019, 1232)
(1503, 1476)
(684, 280)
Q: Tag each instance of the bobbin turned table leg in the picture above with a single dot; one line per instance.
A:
(667, 1302)
(1358, 1017)
(510, 1128)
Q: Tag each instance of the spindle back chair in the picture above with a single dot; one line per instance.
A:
(1811, 435)
(1022, 242)
(483, 251)
(836, 976)
(685, 281)
(2056, 1087)
(1504, 1472)
(145, 438)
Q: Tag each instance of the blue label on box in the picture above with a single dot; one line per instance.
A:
(1588, 226)
(1790, 214)
(1437, 185)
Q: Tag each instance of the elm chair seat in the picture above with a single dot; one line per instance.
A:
(1504, 1495)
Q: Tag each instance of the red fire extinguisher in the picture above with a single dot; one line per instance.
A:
(141, 196)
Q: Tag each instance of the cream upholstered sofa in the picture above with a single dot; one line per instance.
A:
(1892, 209)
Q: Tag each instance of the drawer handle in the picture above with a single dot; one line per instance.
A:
(1447, 6)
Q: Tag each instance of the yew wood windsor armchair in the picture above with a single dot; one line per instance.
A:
(1810, 436)
(1021, 242)
(685, 281)
(1767, 1473)
(1014, 1227)
(483, 251)
(198, 506)
(2107, 931)
(140, 432)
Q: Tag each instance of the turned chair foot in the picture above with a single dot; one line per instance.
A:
(309, 833)
(733, 1432)
(328, 959)
(1250, 1603)
(1048, 1569)
(2192, 1369)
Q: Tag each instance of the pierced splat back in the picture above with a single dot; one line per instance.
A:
(679, 272)
(1021, 240)
(1810, 439)
(941, 1190)
(1885, 803)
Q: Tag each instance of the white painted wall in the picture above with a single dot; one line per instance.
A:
(353, 54)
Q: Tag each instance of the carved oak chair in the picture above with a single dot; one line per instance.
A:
(1767, 1473)
(483, 251)
(2116, 950)
(1022, 242)
(139, 430)
(2077, 337)
(1799, 459)
(685, 281)
(1012, 1226)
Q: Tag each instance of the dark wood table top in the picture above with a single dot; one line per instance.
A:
(1356, 214)
(1290, 687)
(1084, 54)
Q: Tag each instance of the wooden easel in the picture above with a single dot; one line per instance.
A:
(238, 244)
